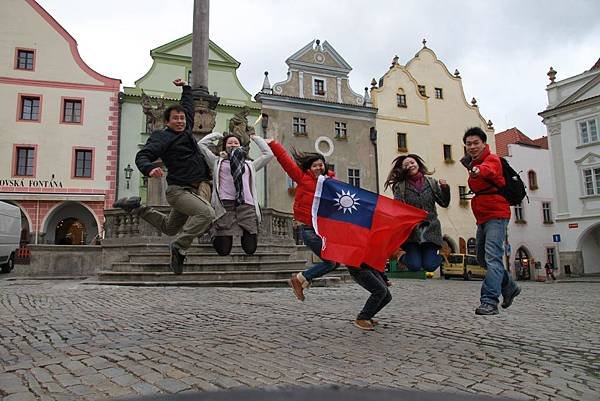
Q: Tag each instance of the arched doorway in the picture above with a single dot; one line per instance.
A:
(589, 244)
(448, 244)
(70, 231)
(70, 223)
(522, 264)
(462, 245)
(25, 226)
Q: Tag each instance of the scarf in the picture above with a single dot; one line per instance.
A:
(237, 162)
(417, 181)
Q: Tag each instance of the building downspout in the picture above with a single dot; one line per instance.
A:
(373, 138)
(120, 100)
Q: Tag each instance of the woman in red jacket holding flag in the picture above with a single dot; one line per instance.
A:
(304, 170)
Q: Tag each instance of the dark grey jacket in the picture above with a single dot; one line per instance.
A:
(429, 230)
(179, 151)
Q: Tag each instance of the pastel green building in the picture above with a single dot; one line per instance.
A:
(170, 61)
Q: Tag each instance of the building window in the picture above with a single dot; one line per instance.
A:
(189, 77)
(71, 111)
(551, 256)
(299, 125)
(448, 153)
(591, 181)
(422, 90)
(588, 131)
(83, 163)
(354, 177)
(519, 216)
(439, 93)
(29, 108)
(402, 142)
(319, 87)
(532, 176)
(25, 60)
(401, 99)
(547, 213)
(25, 161)
(340, 130)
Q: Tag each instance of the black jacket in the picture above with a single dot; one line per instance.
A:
(178, 151)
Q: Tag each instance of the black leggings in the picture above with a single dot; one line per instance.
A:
(223, 243)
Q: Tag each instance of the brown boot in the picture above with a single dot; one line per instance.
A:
(296, 285)
(364, 325)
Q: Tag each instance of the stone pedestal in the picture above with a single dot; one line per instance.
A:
(156, 191)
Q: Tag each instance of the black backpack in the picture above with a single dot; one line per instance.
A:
(514, 190)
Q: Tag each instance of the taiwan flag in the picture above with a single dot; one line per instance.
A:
(359, 226)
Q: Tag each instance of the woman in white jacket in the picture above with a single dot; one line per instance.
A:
(234, 195)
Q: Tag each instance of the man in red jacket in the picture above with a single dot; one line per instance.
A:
(492, 213)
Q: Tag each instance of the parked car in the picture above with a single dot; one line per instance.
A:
(10, 234)
(461, 265)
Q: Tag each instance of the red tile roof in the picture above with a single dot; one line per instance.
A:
(542, 142)
(513, 136)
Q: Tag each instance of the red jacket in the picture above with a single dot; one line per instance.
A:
(488, 206)
(305, 180)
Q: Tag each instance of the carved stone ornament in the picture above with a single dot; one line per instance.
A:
(153, 109)
(205, 120)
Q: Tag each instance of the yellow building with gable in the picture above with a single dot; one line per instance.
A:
(422, 109)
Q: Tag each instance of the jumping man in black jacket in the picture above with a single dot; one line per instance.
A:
(175, 145)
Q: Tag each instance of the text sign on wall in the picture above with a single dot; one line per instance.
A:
(30, 183)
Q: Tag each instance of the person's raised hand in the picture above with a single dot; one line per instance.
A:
(179, 82)
(474, 172)
(443, 182)
(156, 172)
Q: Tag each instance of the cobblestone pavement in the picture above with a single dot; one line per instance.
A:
(65, 341)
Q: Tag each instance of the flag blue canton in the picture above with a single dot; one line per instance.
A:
(344, 202)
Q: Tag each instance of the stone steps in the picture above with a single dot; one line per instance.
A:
(246, 283)
(199, 257)
(226, 275)
(244, 266)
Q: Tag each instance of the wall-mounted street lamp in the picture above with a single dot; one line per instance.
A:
(128, 171)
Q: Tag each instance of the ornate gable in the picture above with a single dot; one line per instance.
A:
(317, 57)
(589, 159)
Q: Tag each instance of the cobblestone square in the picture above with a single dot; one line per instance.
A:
(65, 341)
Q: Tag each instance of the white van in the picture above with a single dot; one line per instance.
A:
(10, 234)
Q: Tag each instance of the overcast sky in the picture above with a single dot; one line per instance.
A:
(503, 48)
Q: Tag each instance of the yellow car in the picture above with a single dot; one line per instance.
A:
(461, 265)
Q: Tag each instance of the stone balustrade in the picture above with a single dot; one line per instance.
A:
(123, 228)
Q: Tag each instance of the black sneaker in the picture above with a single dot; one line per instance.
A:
(128, 204)
(510, 297)
(486, 309)
(177, 260)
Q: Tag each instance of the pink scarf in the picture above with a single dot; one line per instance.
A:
(417, 181)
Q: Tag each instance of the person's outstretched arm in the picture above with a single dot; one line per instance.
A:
(187, 101)
(266, 155)
(285, 160)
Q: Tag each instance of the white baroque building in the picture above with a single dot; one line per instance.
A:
(572, 119)
(531, 227)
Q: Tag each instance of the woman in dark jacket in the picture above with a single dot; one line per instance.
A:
(412, 183)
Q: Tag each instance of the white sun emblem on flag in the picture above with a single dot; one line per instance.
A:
(346, 201)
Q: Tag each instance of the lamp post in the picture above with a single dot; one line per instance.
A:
(128, 171)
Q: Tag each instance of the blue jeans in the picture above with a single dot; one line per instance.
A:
(315, 243)
(421, 256)
(372, 281)
(490, 254)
